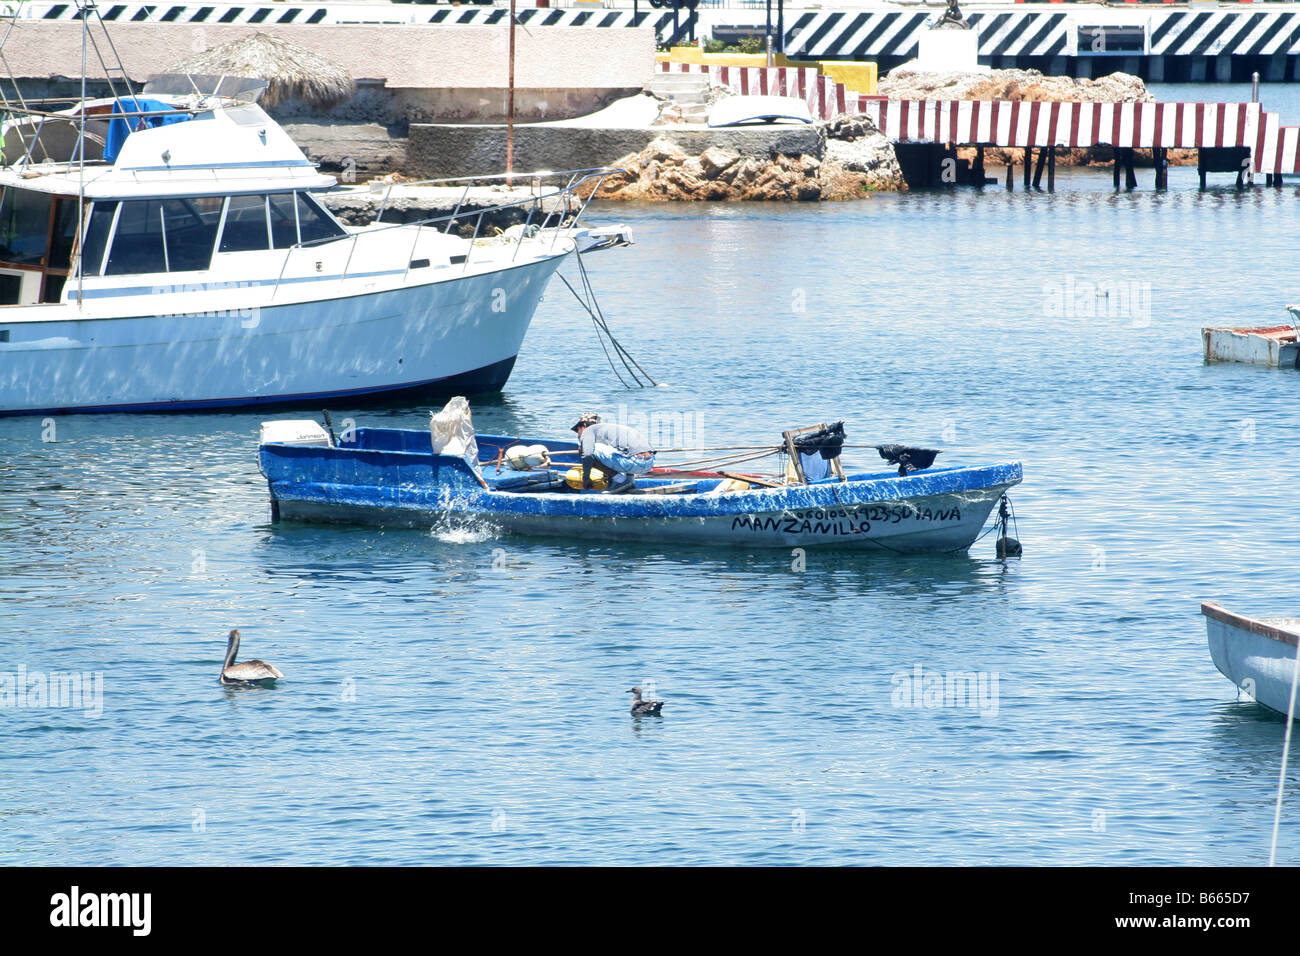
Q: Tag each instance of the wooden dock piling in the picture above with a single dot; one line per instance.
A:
(1038, 167)
(1124, 162)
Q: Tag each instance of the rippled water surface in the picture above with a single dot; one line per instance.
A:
(455, 697)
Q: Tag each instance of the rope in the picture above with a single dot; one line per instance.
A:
(1286, 752)
(751, 448)
(589, 302)
(623, 353)
(723, 461)
(718, 448)
(600, 338)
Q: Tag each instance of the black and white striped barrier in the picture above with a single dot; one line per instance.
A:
(668, 29)
(1025, 37)
(1043, 33)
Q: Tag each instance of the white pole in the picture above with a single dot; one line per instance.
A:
(1286, 751)
(81, 169)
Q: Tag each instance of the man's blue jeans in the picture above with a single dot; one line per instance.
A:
(615, 461)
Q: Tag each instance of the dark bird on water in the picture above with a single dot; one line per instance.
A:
(246, 673)
(644, 707)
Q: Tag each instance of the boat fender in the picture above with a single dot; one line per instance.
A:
(525, 457)
(573, 478)
(296, 432)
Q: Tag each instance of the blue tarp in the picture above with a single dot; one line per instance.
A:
(121, 127)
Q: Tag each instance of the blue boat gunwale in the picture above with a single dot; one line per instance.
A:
(453, 474)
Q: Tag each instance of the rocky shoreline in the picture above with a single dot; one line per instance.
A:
(850, 159)
(844, 159)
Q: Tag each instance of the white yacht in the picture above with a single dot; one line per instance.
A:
(208, 273)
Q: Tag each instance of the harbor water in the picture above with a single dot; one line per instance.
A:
(456, 696)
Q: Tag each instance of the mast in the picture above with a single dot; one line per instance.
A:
(81, 164)
(510, 103)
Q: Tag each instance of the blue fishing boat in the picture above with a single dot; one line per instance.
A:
(393, 477)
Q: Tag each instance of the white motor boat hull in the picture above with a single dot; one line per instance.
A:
(459, 334)
(1257, 655)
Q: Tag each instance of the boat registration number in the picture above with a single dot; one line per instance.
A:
(842, 521)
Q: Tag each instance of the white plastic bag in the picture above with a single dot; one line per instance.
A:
(452, 431)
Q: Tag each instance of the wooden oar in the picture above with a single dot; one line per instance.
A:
(751, 479)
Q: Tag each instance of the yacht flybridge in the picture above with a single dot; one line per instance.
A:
(168, 251)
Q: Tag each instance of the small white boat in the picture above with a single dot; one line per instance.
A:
(1256, 654)
(752, 110)
(1272, 345)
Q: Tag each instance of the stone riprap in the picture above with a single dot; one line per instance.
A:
(843, 160)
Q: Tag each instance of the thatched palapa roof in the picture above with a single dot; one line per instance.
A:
(291, 71)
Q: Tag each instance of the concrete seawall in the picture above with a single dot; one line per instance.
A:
(444, 150)
(422, 72)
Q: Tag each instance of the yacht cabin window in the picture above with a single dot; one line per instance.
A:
(37, 235)
(245, 229)
(314, 223)
(101, 224)
(284, 220)
(190, 228)
(138, 240)
(179, 235)
(25, 226)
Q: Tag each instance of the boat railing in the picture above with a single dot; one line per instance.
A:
(28, 124)
(566, 204)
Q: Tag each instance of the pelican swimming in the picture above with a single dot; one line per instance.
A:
(641, 707)
(246, 673)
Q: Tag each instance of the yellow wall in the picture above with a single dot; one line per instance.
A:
(857, 76)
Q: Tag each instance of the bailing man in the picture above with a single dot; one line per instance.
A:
(620, 450)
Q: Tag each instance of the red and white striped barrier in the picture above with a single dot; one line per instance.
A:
(1285, 155)
(1019, 123)
(1014, 123)
(826, 99)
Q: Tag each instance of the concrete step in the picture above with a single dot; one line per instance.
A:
(679, 86)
